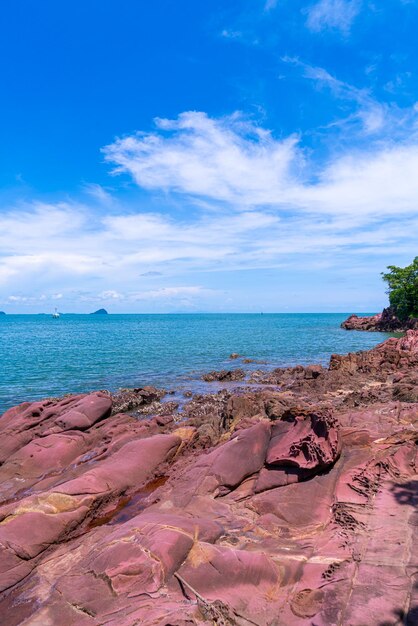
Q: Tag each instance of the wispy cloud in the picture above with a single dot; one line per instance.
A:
(227, 159)
(372, 115)
(270, 4)
(151, 273)
(333, 15)
(98, 193)
(233, 161)
(231, 34)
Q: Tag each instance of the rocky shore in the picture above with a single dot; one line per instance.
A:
(291, 503)
(386, 322)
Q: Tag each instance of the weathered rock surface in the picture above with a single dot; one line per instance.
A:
(294, 503)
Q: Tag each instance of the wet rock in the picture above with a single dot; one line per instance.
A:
(241, 406)
(224, 375)
(208, 413)
(131, 399)
(277, 404)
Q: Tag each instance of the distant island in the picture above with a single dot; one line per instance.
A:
(100, 312)
(2, 313)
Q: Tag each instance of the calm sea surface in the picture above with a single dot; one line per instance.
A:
(40, 356)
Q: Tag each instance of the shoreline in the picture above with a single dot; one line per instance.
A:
(42, 357)
(129, 506)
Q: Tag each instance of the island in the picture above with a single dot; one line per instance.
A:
(100, 312)
(2, 313)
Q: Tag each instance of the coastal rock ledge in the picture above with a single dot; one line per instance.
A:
(292, 504)
(386, 322)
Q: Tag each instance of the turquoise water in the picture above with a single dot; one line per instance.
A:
(42, 357)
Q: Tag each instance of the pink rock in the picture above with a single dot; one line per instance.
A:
(131, 466)
(42, 454)
(306, 504)
(271, 478)
(20, 425)
(252, 523)
(31, 526)
(136, 558)
(229, 464)
(409, 342)
(241, 456)
(246, 582)
(310, 441)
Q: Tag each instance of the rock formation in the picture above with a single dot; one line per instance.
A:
(224, 375)
(292, 503)
(383, 322)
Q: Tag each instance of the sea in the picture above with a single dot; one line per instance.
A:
(45, 357)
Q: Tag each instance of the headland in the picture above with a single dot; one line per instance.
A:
(387, 322)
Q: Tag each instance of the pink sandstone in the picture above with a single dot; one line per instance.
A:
(294, 504)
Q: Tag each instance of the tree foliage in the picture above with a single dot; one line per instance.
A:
(403, 289)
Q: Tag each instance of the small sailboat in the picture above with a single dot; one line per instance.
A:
(55, 314)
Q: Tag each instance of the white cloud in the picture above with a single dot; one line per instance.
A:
(34, 219)
(234, 162)
(170, 293)
(111, 294)
(333, 15)
(254, 201)
(227, 159)
(17, 298)
(380, 182)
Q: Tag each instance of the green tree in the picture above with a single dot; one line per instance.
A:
(403, 289)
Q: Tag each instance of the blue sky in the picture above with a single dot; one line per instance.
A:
(206, 156)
